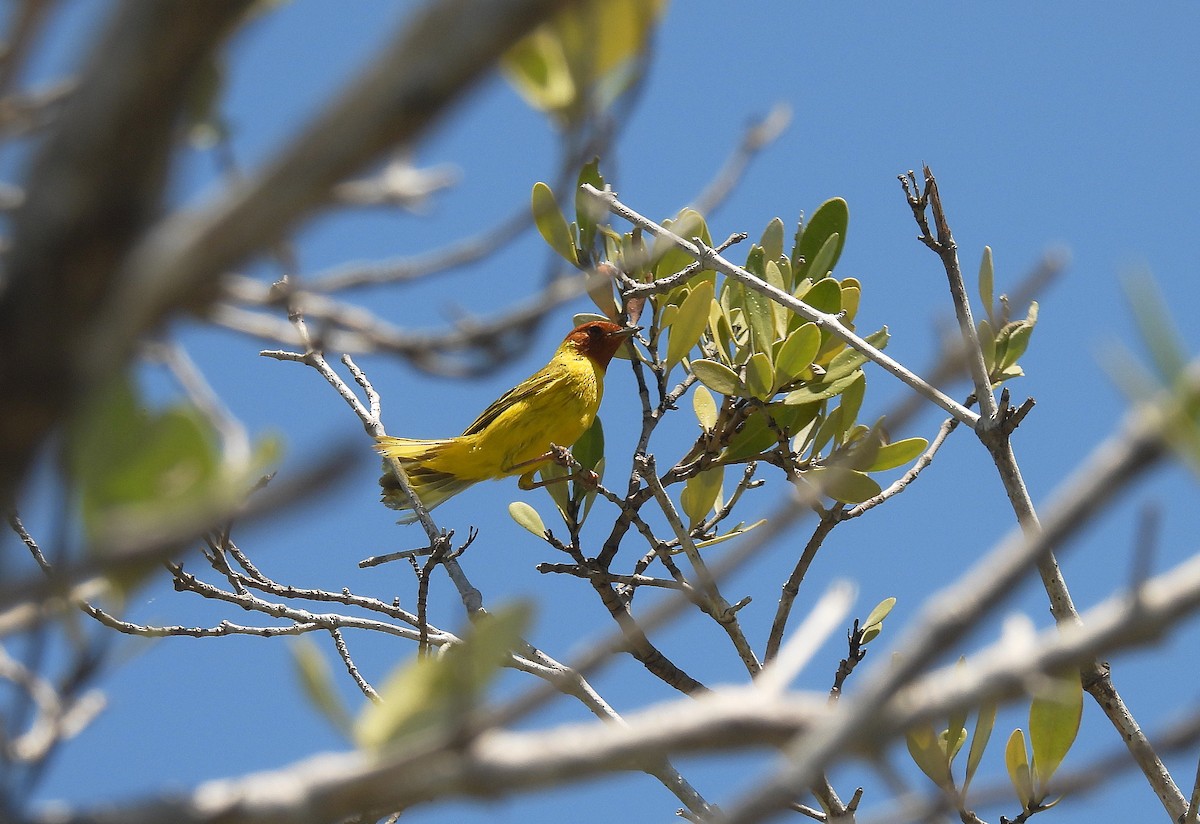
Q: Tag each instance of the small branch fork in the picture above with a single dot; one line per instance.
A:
(994, 429)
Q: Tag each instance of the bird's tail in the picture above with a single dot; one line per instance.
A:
(432, 486)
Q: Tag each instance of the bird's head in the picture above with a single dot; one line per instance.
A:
(598, 340)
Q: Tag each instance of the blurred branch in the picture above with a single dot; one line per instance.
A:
(460, 253)
(95, 185)
(347, 328)
(499, 763)
(758, 135)
(75, 302)
(437, 56)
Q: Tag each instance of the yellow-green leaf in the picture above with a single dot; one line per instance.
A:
(756, 434)
(796, 353)
(820, 391)
(526, 516)
(761, 319)
(1016, 761)
(718, 377)
(987, 278)
(1054, 717)
(841, 484)
(705, 406)
(774, 277)
(733, 533)
(873, 624)
(983, 731)
(760, 377)
(846, 361)
(772, 240)
(927, 753)
(537, 68)
(317, 680)
(852, 398)
(551, 224)
(689, 322)
(897, 454)
(551, 475)
(442, 691)
(826, 256)
(700, 492)
(851, 296)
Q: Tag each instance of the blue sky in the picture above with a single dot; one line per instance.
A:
(1050, 126)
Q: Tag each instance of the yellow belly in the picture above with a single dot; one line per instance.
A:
(557, 414)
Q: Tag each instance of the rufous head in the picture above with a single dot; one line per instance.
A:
(599, 340)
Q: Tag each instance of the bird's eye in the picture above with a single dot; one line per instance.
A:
(595, 332)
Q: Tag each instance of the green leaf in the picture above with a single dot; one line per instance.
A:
(1013, 339)
(772, 240)
(690, 322)
(668, 257)
(551, 224)
(820, 391)
(589, 451)
(825, 296)
(832, 217)
(135, 469)
(852, 398)
(1016, 761)
(774, 277)
(927, 753)
(1054, 717)
(826, 256)
(987, 278)
(317, 681)
(897, 454)
(846, 361)
(761, 319)
(756, 434)
(984, 723)
(705, 406)
(718, 377)
(526, 516)
(841, 484)
(796, 354)
(733, 533)
(760, 377)
(699, 493)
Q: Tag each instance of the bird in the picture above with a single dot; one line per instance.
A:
(517, 433)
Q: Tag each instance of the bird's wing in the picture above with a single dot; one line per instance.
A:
(525, 390)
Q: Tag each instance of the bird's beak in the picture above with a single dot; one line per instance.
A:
(627, 332)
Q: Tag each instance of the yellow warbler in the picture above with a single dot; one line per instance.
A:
(513, 436)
